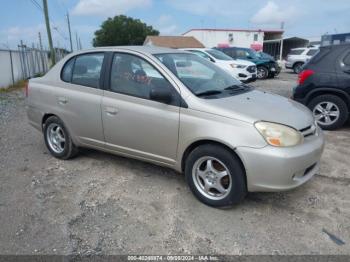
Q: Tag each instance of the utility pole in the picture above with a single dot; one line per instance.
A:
(281, 44)
(22, 47)
(47, 21)
(70, 33)
(41, 53)
(80, 46)
(77, 40)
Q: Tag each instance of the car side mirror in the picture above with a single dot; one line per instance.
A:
(249, 57)
(161, 94)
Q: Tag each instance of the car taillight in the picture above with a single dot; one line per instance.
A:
(26, 89)
(305, 75)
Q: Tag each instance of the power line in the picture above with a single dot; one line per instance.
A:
(60, 33)
(37, 5)
(55, 27)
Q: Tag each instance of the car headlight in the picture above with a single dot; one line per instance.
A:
(279, 135)
(237, 66)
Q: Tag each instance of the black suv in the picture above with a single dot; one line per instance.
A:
(266, 65)
(324, 86)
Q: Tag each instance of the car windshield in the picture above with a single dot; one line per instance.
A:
(218, 55)
(199, 75)
(263, 55)
(253, 54)
(296, 51)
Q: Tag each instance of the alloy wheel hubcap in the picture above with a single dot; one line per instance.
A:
(261, 73)
(298, 69)
(56, 138)
(326, 113)
(212, 178)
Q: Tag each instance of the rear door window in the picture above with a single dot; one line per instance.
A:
(87, 70)
(311, 52)
(67, 71)
(296, 51)
(319, 55)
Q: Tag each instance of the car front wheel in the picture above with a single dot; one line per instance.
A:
(215, 176)
(330, 111)
(298, 67)
(262, 72)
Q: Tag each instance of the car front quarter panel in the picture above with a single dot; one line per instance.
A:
(196, 126)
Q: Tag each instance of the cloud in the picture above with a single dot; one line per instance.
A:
(166, 25)
(29, 34)
(271, 13)
(108, 7)
(226, 8)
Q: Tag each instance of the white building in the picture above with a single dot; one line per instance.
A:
(234, 37)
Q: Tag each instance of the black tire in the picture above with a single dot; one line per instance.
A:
(298, 67)
(70, 150)
(264, 72)
(343, 109)
(238, 189)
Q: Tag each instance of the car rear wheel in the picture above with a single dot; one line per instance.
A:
(215, 176)
(298, 67)
(58, 140)
(329, 111)
(262, 72)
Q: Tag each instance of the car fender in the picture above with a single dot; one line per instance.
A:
(342, 93)
(298, 61)
(230, 132)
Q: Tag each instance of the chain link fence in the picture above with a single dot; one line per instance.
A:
(24, 63)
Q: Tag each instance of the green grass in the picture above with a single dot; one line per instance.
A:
(17, 86)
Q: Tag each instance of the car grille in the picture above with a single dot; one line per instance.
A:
(251, 69)
(308, 131)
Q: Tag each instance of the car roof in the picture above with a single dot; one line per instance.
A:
(299, 48)
(341, 45)
(235, 47)
(142, 49)
(196, 48)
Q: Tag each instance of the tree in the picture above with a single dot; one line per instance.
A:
(122, 30)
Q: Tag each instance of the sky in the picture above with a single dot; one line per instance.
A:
(24, 19)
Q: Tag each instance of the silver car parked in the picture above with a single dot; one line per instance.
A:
(176, 109)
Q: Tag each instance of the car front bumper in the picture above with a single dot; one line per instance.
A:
(271, 168)
(246, 76)
(288, 64)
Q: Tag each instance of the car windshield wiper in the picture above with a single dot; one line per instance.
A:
(209, 93)
(235, 87)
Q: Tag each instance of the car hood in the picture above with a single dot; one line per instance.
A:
(261, 106)
(263, 61)
(236, 61)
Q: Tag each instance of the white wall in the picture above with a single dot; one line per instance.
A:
(211, 38)
(24, 65)
(5, 69)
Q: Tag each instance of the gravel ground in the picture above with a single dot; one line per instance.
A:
(104, 204)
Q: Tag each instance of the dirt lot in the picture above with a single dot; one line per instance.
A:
(104, 204)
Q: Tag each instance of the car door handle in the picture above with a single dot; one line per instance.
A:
(62, 100)
(111, 110)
